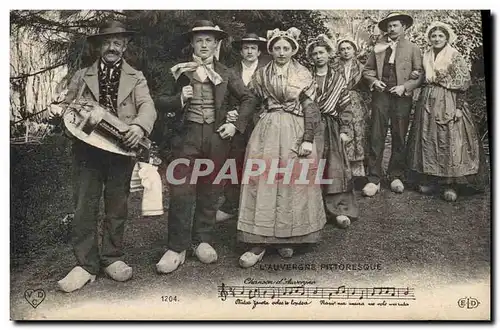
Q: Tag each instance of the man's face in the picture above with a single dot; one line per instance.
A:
(320, 56)
(250, 52)
(204, 45)
(112, 48)
(395, 29)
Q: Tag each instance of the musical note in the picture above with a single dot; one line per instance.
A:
(223, 292)
(338, 289)
(340, 292)
(250, 296)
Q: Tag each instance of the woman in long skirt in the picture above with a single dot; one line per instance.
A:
(276, 209)
(351, 69)
(444, 147)
(335, 105)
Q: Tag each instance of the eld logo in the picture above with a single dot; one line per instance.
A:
(468, 302)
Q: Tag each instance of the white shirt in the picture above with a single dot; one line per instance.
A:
(347, 71)
(248, 71)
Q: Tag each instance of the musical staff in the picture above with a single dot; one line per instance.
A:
(341, 292)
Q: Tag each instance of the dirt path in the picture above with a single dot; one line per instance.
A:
(415, 240)
(418, 239)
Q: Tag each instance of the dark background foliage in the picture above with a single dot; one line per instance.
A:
(158, 45)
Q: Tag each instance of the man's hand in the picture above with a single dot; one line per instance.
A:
(232, 116)
(305, 149)
(132, 137)
(55, 111)
(227, 131)
(344, 137)
(187, 93)
(399, 90)
(379, 85)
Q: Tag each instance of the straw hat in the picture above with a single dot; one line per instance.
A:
(205, 26)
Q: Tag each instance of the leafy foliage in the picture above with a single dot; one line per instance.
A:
(158, 44)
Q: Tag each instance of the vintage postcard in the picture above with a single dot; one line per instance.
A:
(250, 165)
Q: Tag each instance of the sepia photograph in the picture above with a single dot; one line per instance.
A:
(251, 165)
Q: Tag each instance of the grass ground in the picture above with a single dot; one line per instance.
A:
(407, 234)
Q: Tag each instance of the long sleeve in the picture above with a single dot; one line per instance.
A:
(346, 116)
(73, 88)
(370, 70)
(170, 103)
(417, 65)
(248, 101)
(458, 76)
(146, 112)
(312, 117)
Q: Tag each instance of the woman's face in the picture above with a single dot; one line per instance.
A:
(346, 51)
(319, 55)
(438, 39)
(282, 52)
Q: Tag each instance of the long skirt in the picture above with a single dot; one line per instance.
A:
(338, 194)
(443, 149)
(282, 208)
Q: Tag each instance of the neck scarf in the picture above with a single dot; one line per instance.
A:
(439, 64)
(206, 67)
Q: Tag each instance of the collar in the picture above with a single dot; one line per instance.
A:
(251, 66)
(114, 65)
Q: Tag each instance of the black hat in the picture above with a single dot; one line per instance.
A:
(205, 26)
(395, 16)
(251, 38)
(111, 28)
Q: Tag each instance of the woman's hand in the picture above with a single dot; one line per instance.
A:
(305, 149)
(458, 114)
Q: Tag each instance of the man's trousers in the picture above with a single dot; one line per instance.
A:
(385, 107)
(193, 205)
(94, 169)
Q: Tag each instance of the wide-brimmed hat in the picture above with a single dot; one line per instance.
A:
(321, 40)
(451, 34)
(251, 38)
(205, 26)
(292, 35)
(395, 16)
(110, 28)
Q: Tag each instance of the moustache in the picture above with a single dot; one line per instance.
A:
(112, 52)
